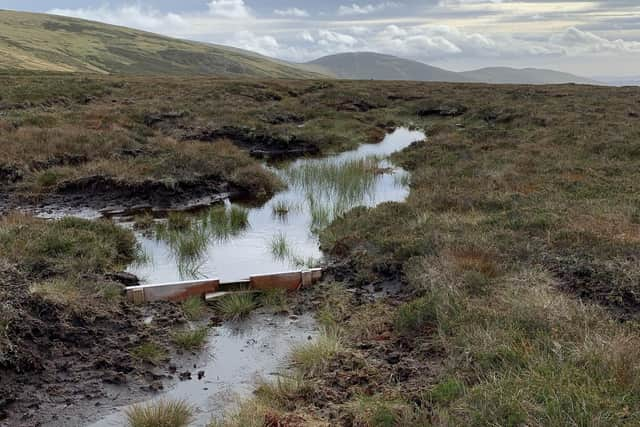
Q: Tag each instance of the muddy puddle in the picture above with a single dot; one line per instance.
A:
(236, 356)
(233, 241)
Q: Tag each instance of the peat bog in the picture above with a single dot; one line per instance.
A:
(502, 290)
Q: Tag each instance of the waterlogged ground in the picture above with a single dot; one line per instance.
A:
(235, 358)
(232, 242)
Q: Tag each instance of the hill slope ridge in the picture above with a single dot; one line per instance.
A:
(375, 66)
(93, 47)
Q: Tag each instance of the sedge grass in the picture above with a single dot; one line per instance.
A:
(312, 358)
(193, 308)
(149, 352)
(191, 339)
(163, 413)
(236, 306)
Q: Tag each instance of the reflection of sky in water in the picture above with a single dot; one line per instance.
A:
(249, 252)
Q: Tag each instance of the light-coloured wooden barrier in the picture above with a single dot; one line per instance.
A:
(213, 288)
(178, 291)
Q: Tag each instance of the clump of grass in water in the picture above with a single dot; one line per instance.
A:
(282, 251)
(191, 339)
(333, 188)
(193, 308)
(280, 247)
(188, 236)
(320, 214)
(238, 218)
(340, 184)
(300, 262)
(224, 223)
(164, 413)
(187, 245)
(281, 209)
(236, 306)
(178, 221)
(402, 179)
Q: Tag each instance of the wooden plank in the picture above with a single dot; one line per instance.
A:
(289, 281)
(211, 289)
(178, 291)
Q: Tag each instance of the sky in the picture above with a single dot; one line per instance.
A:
(590, 38)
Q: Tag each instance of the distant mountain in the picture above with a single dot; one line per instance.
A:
(368, 65)
(620, 80)
(375, 66)
(40, 42)
(505, 75)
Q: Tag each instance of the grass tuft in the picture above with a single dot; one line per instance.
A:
(164, 413)
(280, 247)
(191, 339)
(193, 308)
(238, 218)
(149, 352)
(379, 411)
(236, 306)
(312, 358)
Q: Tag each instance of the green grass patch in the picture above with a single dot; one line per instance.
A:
(67, 246)
(149, 352)
(446, 391)
(280, 248)
(312, 358)
(191, 339)
(193, 308)
(236, 306)
(163, 413)
(412, 317)
(378, 411)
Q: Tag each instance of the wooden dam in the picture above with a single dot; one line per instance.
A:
(210, 289)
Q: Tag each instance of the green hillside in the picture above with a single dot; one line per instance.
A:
(40, 42)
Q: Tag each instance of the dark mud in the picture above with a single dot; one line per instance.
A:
(378, 363)
(259, 144)
(108, 196)
(58, 367)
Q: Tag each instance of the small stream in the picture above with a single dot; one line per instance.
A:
(233, 241)
(281, 234)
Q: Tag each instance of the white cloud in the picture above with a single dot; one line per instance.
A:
(134, 16)
(307, 37)
(356, 9)
(328, 37)
(574, 42)
(293, 11)
(234, 9)
(427, 39)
